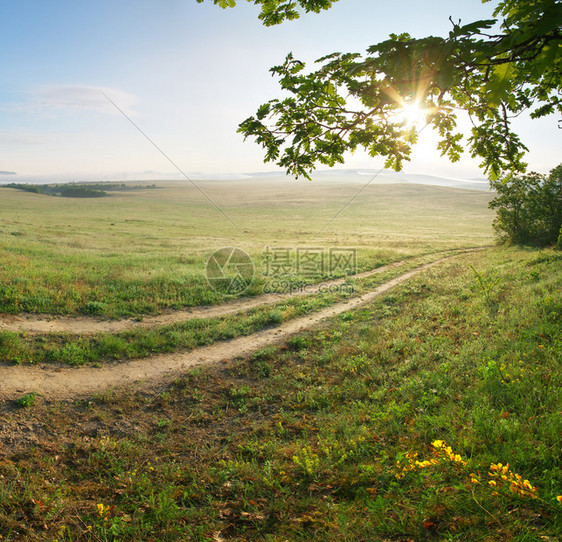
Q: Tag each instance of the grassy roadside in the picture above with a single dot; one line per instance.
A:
(341, 434)
(17, 348)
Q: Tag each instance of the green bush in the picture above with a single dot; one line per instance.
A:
(529, 208)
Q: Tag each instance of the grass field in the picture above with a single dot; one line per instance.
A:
(431, 414)
(140, 252)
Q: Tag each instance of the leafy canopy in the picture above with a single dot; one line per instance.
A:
(493, 69)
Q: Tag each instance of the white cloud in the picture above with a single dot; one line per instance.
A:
(84, 97)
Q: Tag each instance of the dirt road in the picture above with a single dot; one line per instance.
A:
(65, 383)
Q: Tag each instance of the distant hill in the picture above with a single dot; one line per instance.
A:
(359, 176)
(385, 176)
(8, 173)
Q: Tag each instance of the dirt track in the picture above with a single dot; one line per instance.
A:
(66, 383)
(35, 325)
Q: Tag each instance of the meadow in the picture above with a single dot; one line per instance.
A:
(142, 252)
(433, 413)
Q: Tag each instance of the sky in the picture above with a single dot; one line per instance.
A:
(186, 74)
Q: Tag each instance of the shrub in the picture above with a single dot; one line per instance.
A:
(529, 208)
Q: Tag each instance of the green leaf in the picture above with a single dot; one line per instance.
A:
(500, 83)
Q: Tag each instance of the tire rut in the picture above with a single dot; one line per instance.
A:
(62, 383)
(38, 325)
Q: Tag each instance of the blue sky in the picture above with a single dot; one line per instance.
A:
(187, 74)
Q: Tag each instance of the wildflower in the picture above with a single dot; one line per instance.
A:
(559, 498)
(102, 509)
(474, 478)
(446, 452)
(502, 473)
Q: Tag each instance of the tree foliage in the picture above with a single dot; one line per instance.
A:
(276, 11)
(529, 207)
(493, 69)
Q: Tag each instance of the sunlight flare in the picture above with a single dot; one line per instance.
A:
(412, 114)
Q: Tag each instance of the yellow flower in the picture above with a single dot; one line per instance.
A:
(438, 444)
(492, 483)
(559, 498)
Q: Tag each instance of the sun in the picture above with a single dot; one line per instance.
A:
(412, 114)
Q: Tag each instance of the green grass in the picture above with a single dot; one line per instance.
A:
(310, 440)
(316, 439)
(140, 252)
(96, 349)
(103, 347)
